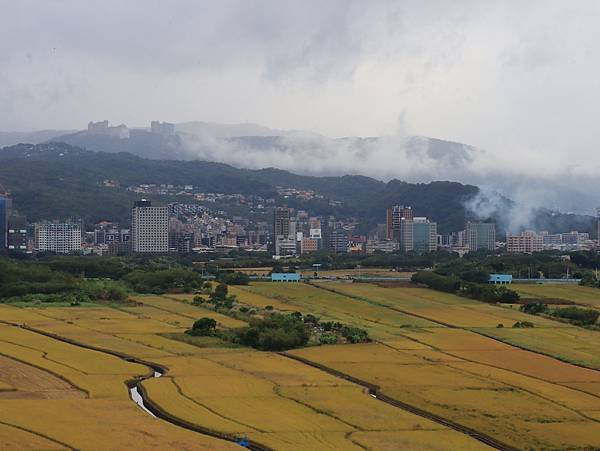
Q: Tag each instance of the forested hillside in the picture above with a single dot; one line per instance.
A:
(58, 180)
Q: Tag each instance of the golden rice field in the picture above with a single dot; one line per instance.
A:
(20, 380)
(277, 401)
(481, 396)
(235, 391)
(574, 293)
(382, 323)
(437, 352)
(560, 340)
(341, 273)
(75, 398)
(460, 374)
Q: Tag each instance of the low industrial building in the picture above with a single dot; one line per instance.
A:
(500, 279)
(285, 277)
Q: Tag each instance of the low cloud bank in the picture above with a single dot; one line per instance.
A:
(528, 181)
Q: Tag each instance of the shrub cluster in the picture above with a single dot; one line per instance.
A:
(576, 315)
(452, 284)
(181, 279)
(279, 332)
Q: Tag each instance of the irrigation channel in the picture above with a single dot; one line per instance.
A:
(373, 391)
(139, 396)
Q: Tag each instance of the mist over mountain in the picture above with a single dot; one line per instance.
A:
(34, 137)
(410, 158)
(413, 159)
(58, 180)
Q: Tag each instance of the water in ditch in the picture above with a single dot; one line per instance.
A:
(137, 397)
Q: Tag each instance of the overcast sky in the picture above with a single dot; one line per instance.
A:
(513, 77)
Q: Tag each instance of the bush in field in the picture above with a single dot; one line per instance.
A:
(220, 293)
(221, 299)
(534, 309)
(479, 291)
(577, 315)
(105, 290)
(276, 333)
(198, 300)
(355, 334)
(522, 324)
(475, 276)
(203, 327)
(160, 281)
(328, 338)
(234, 278)
(438, 282)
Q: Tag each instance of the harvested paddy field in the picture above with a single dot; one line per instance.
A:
(19, 380)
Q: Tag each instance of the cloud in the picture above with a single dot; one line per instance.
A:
(518, 79)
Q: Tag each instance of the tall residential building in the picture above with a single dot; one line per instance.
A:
(598, 224)
(526, 242)
(59, 237)
(281, 222)
(149, 228)
(403, 233)
(394, 218)
(17, 233)
(424, 235)
(284, 232)
(337, 239)
(481, 235)
(4, 201)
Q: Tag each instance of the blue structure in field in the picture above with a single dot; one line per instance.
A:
(500, 279)
(285, 277)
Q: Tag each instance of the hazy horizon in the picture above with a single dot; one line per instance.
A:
(517, 82)
(507, 76)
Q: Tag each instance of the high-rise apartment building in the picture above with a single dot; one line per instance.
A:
(17, 233)
(3, 221)
(394, 218)
(284, 232)
(59, 237)
(149, 228)
(598, 224)
(403, 233)
(424, 235)
(525, 243)
(337, 239)
(281, 222)
(481, 235)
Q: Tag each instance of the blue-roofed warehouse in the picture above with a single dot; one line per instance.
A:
(285, 277)
(500, 279)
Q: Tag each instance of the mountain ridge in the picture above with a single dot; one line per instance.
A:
(56, 180)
